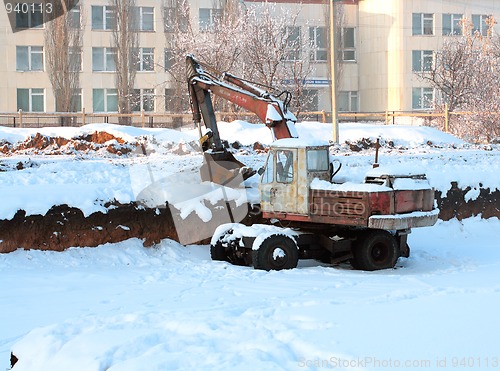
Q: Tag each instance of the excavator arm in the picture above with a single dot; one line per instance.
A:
(219, 165)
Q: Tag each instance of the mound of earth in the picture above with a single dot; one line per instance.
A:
(39, 144)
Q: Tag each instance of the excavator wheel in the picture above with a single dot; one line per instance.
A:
(229, 251)
(276, 252)
(218, 252)
(377, 249)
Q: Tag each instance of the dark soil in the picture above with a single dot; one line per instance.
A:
(63, 227)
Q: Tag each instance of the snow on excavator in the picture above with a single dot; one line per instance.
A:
(219, 165)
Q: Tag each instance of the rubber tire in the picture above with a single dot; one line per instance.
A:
(218, 252)
(376, 250)
(263, 257)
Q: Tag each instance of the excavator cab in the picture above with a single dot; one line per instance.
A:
(219, 165)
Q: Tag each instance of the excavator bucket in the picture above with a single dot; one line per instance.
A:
(223, 168)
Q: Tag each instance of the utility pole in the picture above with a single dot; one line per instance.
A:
(333, 62)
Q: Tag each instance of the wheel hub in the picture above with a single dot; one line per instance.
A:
(279, 257)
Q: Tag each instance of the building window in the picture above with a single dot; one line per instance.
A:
(103, 17)
(103, 59)
(30, 100)
(348, 45)
(422, 60)
(169, 18)
(169, 100)
(452, 24)
(422, 98)
(480, 24)
(317, 38)
(143, 18)
(348, 101)
(209, 18)
(144, 59)
(75, 59)
(105, 100)
(74, 17)
(28, 15)
(169, 59)
(29, 58)
(76, 101)
(143, 99)
(292, 34)
(309, 100)
(423, 24)
(176, 16)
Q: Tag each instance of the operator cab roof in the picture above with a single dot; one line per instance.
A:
(299, 143)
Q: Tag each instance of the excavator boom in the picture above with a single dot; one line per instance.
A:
(219, 165)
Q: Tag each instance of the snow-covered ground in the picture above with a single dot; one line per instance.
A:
(89, 180)
(126, 307)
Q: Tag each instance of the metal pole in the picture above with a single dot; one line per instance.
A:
(333, 62)
(446, 119)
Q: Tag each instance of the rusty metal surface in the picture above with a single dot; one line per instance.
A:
(339, 207)
(413, 200)
(381, 203)
(223, 168)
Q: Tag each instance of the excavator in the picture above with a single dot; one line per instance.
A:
(310, 215)
(219, 165)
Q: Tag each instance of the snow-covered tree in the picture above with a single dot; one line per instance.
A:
(63, 43)
(465, 73)
(125, 42)
(257, 43)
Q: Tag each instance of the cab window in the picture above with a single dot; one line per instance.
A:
(267, 176)
(284, 166)
(317, 160)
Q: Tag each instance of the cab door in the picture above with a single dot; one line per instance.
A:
(278, 187)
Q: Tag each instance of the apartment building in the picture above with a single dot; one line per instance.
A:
(396, 40)
(383, 46)
(25, 84)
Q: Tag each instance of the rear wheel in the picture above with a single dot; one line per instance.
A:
(275, 253)
(377, 250)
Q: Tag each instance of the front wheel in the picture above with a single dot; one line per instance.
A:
(218, 252)
(377, 250)
(275, 253)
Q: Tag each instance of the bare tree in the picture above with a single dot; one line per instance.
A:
(453, 70)
(125, 41)
(259, 44)
(215, 41)
(63, 43)
(176, 22)
(271, 41)
(278, 52)
(465, 74)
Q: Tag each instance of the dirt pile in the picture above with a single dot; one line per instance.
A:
(63, 226)
(456, 204)
(39, 144)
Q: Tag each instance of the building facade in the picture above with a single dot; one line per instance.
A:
(383, 46)
(396, 41)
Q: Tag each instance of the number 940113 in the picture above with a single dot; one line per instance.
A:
(44, 7)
